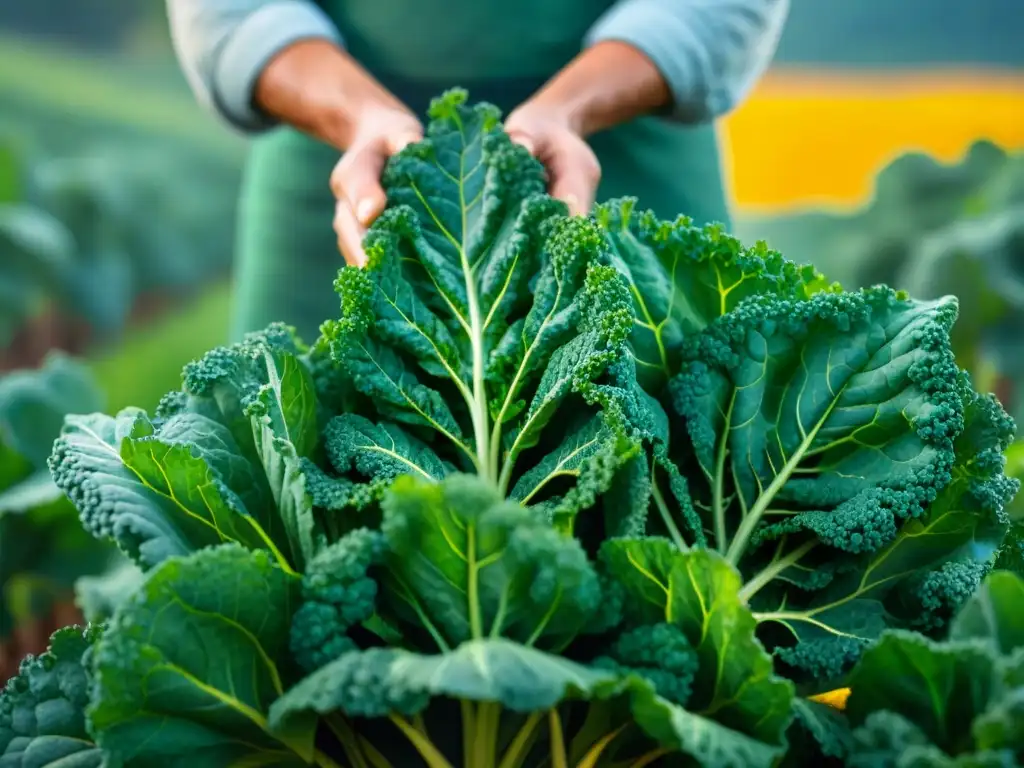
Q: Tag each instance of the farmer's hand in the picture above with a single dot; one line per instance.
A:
(380, 132)
(551, 135)
(318, 88)
(607, 84)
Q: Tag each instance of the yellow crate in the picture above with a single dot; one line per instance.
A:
(818, 139)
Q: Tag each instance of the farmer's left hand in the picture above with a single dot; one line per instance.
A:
(551, 136)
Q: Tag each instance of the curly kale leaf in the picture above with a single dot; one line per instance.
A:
(916, 701)
(818, 731)
(337, 595)
(42, 709)
(833, 416)
(189, 665)
(221, 461)
(382, 681)
(682, 277)
(738, 710)
(484, 309)
(920, 578)
(660, 653)
(462, 563)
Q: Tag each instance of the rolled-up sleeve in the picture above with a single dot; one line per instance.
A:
(223, 46)
(710, 52)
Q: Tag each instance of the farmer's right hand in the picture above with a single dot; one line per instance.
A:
(318, 88)
(380, 132)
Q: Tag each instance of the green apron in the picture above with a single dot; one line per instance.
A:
(287, 251)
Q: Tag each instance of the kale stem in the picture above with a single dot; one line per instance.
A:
(774, 568)
(324, 760)
(281, 559)
(559, 759)
(750, 521)
(594, 753)
(666, 517)
(476, 622)
(431, 755)
(488, 715)
(521, 742)
(348, 738)
(373, 755)
(650, 757)
(764, 501)
(717, 494)
(468, 729)
(476, 338)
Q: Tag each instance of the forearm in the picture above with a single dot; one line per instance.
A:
(608, 84)
(224, 46)
(709, 52)
(318, 88)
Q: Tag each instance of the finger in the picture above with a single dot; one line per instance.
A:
(520, 138)
(356, 180)
(575, 190)
(400, 141)
(574, 180)
(350, 235)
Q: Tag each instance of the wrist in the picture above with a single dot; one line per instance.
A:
(351, 104)
(608, 84)
(318, 88)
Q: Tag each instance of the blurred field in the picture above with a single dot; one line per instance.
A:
(818, 138)
(72, 96)
(148, 362)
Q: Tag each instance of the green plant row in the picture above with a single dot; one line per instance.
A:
(43, 548)
(549, 491)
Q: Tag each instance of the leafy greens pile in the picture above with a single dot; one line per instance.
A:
(592, 492)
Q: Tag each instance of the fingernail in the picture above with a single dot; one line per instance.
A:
(364, 211)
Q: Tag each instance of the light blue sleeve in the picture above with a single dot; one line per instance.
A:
(223, 46)
(710, 52)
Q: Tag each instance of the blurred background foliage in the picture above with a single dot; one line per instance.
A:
(883, 146)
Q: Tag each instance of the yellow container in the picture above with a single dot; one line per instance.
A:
(817, 139)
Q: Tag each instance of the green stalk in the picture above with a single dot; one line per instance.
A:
(431, 755)
(476, 339)
(773, 569)
(559, 758)
(644, 760)
(348, 738)
(666, 517)
(373, 755)
(594, 754)
(521, 743)
(717, 502)
(323, 760)
(764, 501)
(485, 739)
(468, 729)
(476, 622)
